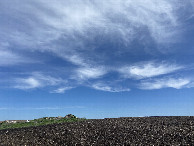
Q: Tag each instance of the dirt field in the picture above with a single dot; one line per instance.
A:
(118, 131)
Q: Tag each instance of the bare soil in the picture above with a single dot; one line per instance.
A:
(114, 131)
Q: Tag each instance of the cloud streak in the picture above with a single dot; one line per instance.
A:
(62, 89)
(106, 87)
(8, 58)
(150, 69)
(36, 80)
(164, 83)
(76, 22)
(90, 72)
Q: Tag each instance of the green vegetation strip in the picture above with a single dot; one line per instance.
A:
(38, 122)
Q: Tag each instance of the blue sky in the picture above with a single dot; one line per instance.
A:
(96, 59)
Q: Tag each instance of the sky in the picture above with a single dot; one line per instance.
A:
(96, 59)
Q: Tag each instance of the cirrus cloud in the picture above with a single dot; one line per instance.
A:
(36, 80)
(150, 69)
(93, 43)
(176, 83)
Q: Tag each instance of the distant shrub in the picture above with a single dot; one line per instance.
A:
(41, 121)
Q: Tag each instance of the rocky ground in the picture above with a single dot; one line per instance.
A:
(118, 131)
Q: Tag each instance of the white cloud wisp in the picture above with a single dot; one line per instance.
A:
(105, 87)
(146, 70)
(62, 89)
(164, 83)
(37, 80)
(90, 72)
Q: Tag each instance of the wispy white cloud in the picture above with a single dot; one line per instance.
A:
(82, 15)
(176, 83)
(62, 89)
(75, 22)
(28, 83)
(150, 69)
(105, 87)
(191, 84)
(9, 58)
(90, 72)
(36, 80)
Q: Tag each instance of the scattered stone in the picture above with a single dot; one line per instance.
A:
(114, 131)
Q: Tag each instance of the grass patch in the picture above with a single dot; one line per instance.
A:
(39, 122)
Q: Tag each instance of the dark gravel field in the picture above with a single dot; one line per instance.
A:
(117, 131)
